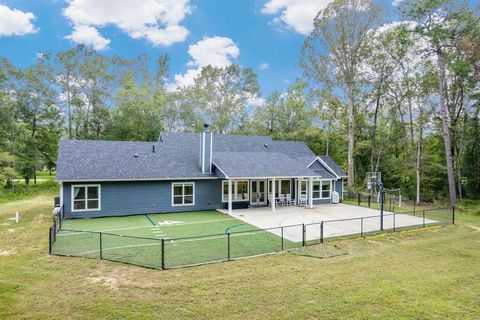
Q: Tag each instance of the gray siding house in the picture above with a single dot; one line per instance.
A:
(191, 171)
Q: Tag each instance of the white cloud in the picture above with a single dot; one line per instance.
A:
(296, 14)
(215, 51)
(264, 66)
(255, 101)
(396, 3)
(14, 22)
(157, 21)
(88, 36)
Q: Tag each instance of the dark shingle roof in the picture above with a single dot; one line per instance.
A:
(333, 165)
(177, 157)
(112, 160)
(260, 164)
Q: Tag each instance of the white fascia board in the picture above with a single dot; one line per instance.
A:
(326, 166)
(223, 172)
(145, 179)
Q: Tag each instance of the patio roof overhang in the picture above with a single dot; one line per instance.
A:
(249, 165)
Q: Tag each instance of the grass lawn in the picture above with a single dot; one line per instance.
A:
(140, 241)
(431, 273)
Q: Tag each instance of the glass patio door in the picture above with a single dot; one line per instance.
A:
(258, 192)
(303, 192)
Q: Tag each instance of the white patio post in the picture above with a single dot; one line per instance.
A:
(310, 193)
(297, 194)
(272, 198)
(229, 196)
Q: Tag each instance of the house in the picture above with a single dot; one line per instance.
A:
(191, 171)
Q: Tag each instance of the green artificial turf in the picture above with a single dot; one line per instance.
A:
(188, 238)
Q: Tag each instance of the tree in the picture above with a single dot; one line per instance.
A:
(264, 120)
(140, 100)
(37, 117)
(220, 95)
(67, 75)
(333, 53)
(444, 25)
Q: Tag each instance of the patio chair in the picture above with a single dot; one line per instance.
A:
(282, 200)
(288, 199)
(303, 200)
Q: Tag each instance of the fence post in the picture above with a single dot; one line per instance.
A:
(369, 200)
(414, 206)
(453, 215)
(303, 234)
(359, 199)
(423, 218)
(228, 246)
(390, 203)
(101, 245)
(361, 227)
(382, 204)
(50, 241)
(163, 254)
(394, 222)
(321, 232)
(281, 228)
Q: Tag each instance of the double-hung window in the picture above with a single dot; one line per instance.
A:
(316, 189)
(326, 188)
(321, 189)
(85, 197)
(183, 194)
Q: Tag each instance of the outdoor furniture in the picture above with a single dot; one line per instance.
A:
(303, 200)
(288, 199)
(282, 199)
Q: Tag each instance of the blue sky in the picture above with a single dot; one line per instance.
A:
(266, 35)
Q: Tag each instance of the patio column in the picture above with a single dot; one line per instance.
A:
(310, 193)
(297, 194)
(229, 196)
(272, 198)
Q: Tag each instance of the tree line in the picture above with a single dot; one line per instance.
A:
(400, 98)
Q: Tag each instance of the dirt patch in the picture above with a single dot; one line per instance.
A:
(7, 252)
(110, 282)
(11, 230)
(473, 227)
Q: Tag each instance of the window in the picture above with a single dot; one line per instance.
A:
(85, 197)
(326, 186)
(183, 194)
(281, 187)
(321, 189)
(239, 190)
(316, 189)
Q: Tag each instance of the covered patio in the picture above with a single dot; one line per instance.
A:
(271, 179)
(275, 192)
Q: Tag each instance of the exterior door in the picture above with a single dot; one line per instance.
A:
(303, 192)
(258, 188)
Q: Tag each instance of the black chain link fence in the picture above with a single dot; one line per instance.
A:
(189, 251)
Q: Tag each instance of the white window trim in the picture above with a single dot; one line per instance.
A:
(183, 194)
(86, 197)
(330, 191)
(235, 190)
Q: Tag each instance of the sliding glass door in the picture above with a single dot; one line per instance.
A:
(258, 189)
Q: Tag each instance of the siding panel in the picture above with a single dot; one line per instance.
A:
(143, 197)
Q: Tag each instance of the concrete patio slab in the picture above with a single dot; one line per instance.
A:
(333, 216)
